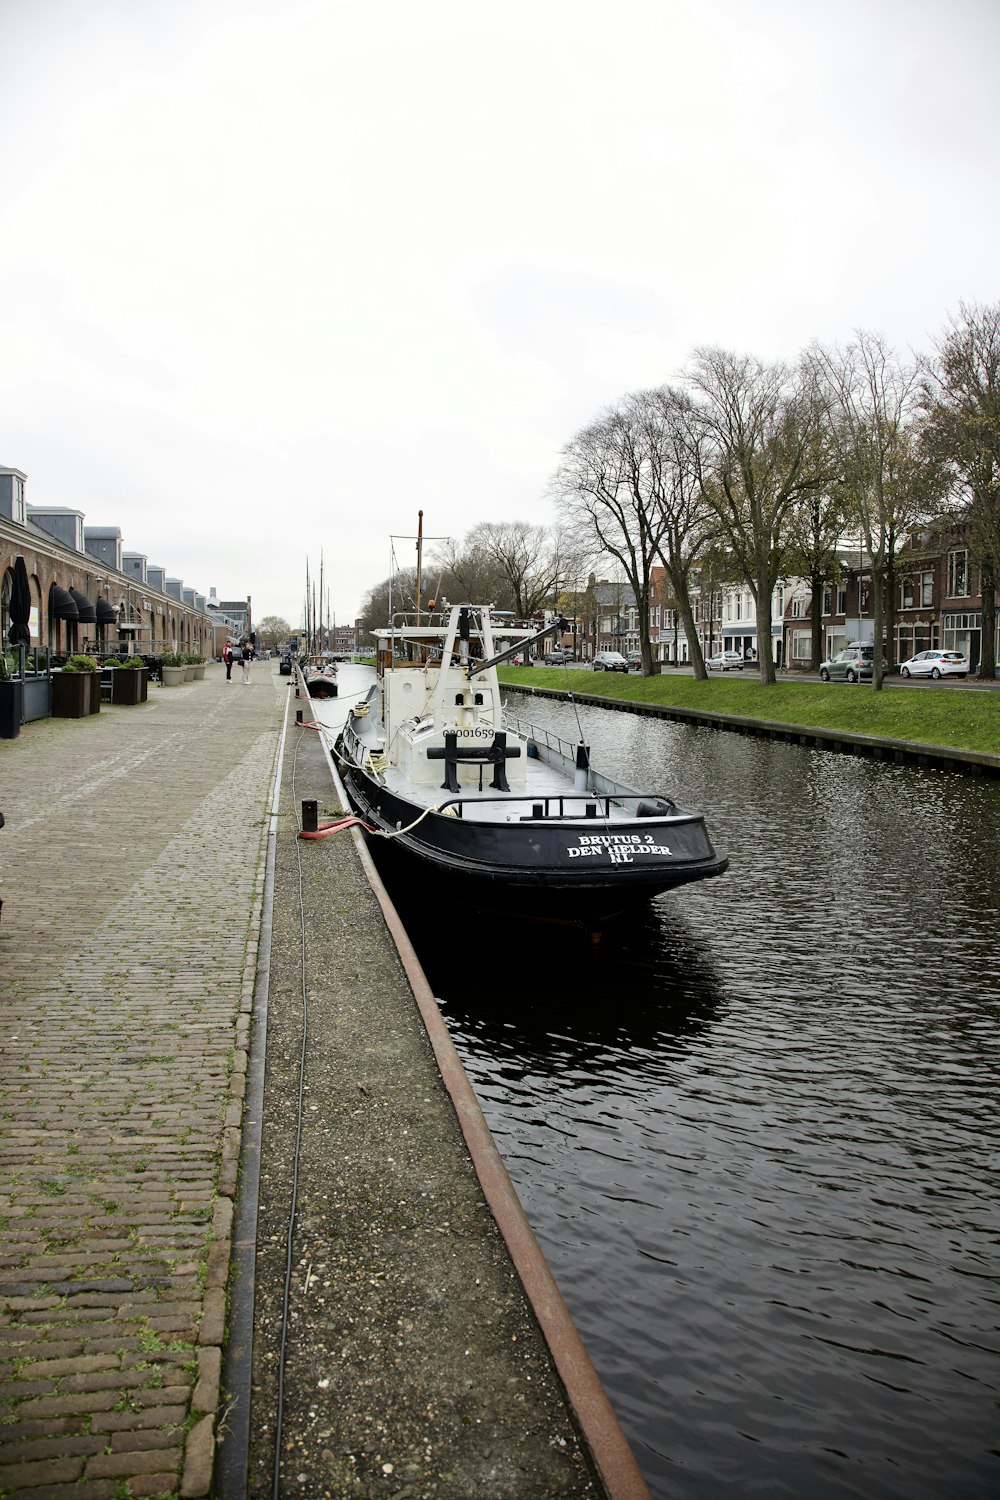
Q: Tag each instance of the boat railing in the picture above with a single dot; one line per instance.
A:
(353, 747)
(542, 736)
(584, 805)
(541, 807)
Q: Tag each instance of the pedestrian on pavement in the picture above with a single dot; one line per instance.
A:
(247, 659)
(227, 657)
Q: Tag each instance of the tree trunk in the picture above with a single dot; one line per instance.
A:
(816, 583)
(988, 657)
(878, 602)
(765, 655)
(680, 582)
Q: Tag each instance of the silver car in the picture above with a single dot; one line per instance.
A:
(610, 661)
(854, 664)
(725, 661)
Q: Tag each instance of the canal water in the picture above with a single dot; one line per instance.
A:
(756, 1128)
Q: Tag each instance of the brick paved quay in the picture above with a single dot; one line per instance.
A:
(132, 878)
(132, 870)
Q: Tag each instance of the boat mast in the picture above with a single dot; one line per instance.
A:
(420, 558)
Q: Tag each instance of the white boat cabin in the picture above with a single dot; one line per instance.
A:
(426, 693)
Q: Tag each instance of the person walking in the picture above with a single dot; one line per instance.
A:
(247, 659)
(227, 657)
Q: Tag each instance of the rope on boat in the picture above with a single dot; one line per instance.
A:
(338, 824)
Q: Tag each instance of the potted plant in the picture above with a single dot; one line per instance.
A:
(198, 662)
(11, 700)
(173, 668)
(129, 680)
(76, 688)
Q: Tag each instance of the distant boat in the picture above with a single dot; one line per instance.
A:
(430, 759)
(321, 680)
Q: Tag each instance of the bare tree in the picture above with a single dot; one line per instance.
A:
(606, 478)
(397, 592)
(816, 526)
(468, 572)
(689, 523)
(873, 396)
(961, 399)
(760, 450)
(273, 630)
(525, 557)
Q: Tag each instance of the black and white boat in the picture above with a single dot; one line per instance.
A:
(320, 679)
(431, 760)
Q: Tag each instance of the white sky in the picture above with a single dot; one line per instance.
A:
(275, 274)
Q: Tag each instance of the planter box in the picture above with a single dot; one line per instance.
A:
(129, 685)
(75, 694)
(37, 699)
(11, 709)
(199, 672)
(189, 673)
(173, 676)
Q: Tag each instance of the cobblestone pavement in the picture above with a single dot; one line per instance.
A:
(132, 882)
(414, 1364)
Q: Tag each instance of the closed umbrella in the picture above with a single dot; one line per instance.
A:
(20, 605)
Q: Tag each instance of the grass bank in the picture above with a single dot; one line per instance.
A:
(961, 720)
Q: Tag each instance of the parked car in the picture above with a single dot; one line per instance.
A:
(725, 661)
(610, 661)
(936, 664)
(634, 659)
(853, 664)
(556, 656)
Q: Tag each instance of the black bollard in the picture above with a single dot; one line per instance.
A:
(310, 816)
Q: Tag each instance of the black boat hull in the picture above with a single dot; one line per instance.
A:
(583, 860)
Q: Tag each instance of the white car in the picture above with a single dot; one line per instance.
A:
(935, 664)
(725, 661)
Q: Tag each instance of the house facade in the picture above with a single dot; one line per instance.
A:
(937, 596)
(937, 592)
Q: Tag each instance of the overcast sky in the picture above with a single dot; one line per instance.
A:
(275, 274)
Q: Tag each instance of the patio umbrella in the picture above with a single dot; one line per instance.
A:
(20, 605)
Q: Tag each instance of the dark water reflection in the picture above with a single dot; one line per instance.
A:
(756, 1129)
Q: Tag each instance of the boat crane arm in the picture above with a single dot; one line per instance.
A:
(483, 666)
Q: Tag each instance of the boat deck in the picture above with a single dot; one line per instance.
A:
(549, 784)
(541, 784)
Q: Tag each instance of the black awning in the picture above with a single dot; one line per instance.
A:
(62, 604)
(106, 613)
(86, 611)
